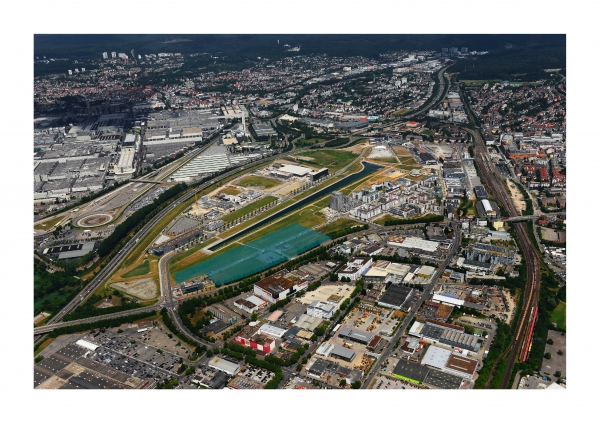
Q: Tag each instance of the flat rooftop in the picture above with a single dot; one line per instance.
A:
(410, 369)
(396, 295)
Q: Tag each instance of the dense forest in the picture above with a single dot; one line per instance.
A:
(251, 45)
(526, 63)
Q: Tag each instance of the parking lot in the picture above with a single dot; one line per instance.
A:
(390, 383)
(556, 362)
(150, 354)
(534, 382)
(258, 375)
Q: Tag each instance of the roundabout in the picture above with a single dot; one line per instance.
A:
(94, 220)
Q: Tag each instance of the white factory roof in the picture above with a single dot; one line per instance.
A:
(224, 365)
(296, 170)
(256, 300)
(86, 344)
(425, 270)
(271, 330)
(376, 272)
(417, 243)
(308, 322)
(486, 205)
(398, 269)
(416, 328)
(325, 349)
(125, 164)
(436, 357)
(447, 299)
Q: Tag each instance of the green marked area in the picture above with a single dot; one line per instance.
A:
(332, 159)
(257, 181)
(559, 315)
(143, 269)
(255, 256)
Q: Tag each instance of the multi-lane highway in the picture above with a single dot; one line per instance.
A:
(141, 234)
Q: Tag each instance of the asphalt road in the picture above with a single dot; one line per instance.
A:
(427, 295)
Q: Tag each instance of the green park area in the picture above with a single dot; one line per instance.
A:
(559, 315)
(142, 269)
(309, 141)
(386, 160)
(338, 225)
(257, 181)
(332, 159)
(47, 225)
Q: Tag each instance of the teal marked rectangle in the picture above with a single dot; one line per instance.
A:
(256, 256)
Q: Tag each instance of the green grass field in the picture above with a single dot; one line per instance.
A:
(386, 160)
(408, 160)
(401, 112)
(48, 224)
(309, 141)
(234, 191)
(559, 315)
(340, 224)
(248, 208)
(332, 159)
(256, 181)
(142, 269)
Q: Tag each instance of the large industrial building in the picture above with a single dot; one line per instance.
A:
(450, 362)
(250, 304)
(445, 334)
(277, 287)
(355, 268)
(224, 365)
(175, 242)
(343, 353)
(413, 243)
(126, 165)
(416, 373)
(253, 337)
(355, 335)
(222, 313)
(70, 251)
(410, 371)
(395, 297)
(321, 309)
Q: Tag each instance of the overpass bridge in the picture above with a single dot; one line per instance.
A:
(520, 218)
(154, 182)
(48, 328)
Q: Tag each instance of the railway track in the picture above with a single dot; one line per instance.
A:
(526, 320)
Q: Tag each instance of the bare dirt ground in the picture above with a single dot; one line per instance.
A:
(401, 151)
(287, 189)
(40, 317)
(550, 234)
(142, 288)
(357, 148)
(516, 196)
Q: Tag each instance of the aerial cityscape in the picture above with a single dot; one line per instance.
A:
(308, 212)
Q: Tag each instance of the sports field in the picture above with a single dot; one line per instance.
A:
(255, 256)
